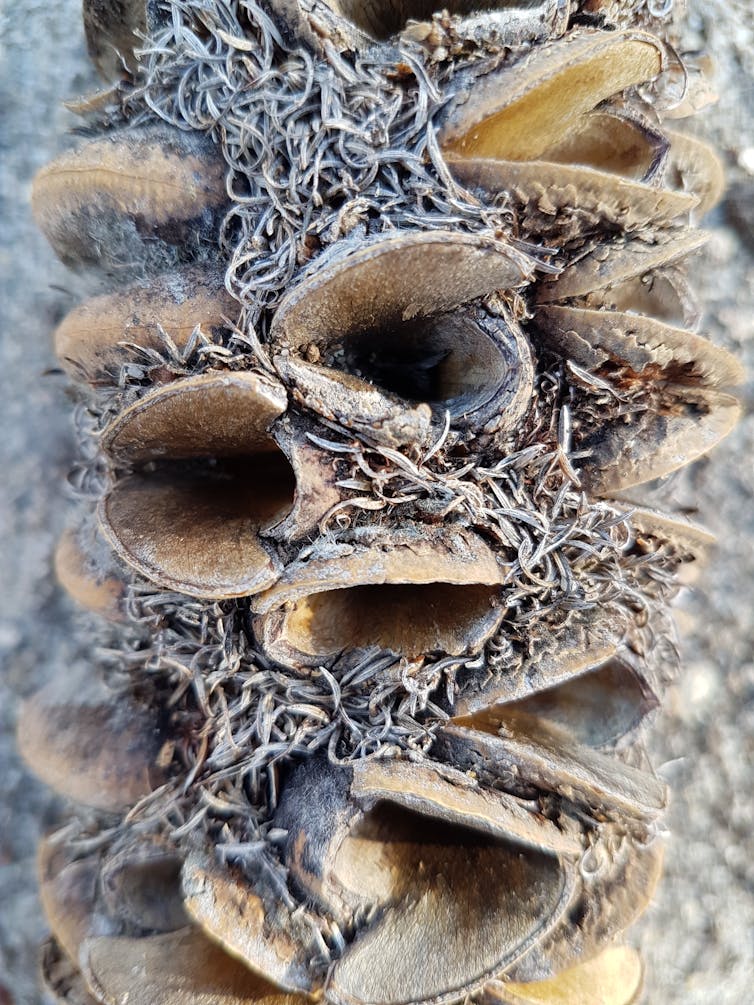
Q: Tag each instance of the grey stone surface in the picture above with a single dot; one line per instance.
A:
(42, 61)
(698, 936)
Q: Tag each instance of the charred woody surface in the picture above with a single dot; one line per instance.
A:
(393, 327)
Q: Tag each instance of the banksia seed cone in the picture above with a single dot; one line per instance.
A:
(392, 329)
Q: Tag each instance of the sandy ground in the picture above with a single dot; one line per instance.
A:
(698, 936)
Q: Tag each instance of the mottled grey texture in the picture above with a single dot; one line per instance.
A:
(698, 935)
(42, 61)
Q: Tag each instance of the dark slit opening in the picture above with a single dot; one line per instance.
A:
(147, 894)
(259, 486)
(613, 144)
(448, 362)
(382, 18)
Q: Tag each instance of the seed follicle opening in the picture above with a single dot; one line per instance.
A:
(381, 19)
(411, 619)
(198, 477)
(413, 592)
(414, 317)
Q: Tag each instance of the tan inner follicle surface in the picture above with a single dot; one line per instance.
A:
(411, 619)
(409, 592)
(609, 142)
(664, 296)
(543, 100)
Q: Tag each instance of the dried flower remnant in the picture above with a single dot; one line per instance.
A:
(94, 747)
(393, 325)
(129, 327)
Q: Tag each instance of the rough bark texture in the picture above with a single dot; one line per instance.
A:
(696, 937)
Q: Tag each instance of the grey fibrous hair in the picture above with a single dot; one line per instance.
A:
(316, 148)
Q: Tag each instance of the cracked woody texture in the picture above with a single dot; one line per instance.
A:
(390, 338)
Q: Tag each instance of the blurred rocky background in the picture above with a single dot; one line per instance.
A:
(698, 936)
